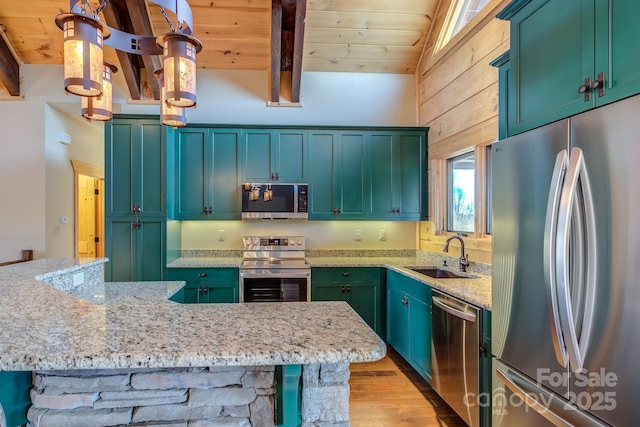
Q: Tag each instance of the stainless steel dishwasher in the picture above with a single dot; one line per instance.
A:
(455, 355)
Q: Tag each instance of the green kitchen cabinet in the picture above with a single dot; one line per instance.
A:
(207, 285)
(360, 287)
(503, 65)
(135, 159)
(206, 176)
(14, 397)
(397, 183)
(337, 174)
(272, 155)
(568, 57)
(409, 321)
(135, 248)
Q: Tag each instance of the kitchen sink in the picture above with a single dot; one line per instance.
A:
(439, 273)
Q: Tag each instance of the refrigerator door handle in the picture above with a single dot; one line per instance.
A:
(571, 316)
(549, 256)
(549, 406)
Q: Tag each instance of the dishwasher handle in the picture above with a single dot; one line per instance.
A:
(464, 315)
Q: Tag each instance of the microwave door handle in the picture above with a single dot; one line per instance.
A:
(549, 256)
(585, 238)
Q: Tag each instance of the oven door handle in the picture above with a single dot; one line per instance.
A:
(285, 274)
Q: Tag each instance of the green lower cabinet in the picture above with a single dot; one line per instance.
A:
(206, 285)
(359, 287)
(134, 248)
(14, 397)
(409, 321)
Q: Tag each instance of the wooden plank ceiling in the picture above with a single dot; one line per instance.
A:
(372, 36)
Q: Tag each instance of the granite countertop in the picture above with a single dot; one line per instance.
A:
(134, 325)
(475, 290)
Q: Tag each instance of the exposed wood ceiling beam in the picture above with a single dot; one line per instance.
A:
(131, 16)
(9, 69)
(287, 43)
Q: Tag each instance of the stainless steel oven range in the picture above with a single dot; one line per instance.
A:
(274, 269)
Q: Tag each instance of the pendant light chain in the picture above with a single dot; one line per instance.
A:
(166, 17)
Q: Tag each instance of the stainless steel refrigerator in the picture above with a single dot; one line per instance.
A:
(566, 272)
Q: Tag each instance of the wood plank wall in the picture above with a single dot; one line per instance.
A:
(458, 100)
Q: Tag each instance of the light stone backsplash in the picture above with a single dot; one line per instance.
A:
(69, 280)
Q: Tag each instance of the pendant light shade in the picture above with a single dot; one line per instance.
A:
(180, 68)
(83, 65)
(169, 115)
(100, 108)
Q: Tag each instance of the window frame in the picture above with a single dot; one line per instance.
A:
(450, 169)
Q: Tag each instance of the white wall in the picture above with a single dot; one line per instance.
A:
(318, 234)
(28, 218)
(87, 144)
(239, 97)
(22, 179)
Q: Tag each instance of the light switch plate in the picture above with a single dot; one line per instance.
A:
(358, 235)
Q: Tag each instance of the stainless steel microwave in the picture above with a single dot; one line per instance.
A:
(274, 201)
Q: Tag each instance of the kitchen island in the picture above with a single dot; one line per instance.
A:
(123, 352)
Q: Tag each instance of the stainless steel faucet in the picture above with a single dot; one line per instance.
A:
(464, 258)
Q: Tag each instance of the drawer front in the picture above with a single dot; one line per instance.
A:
(345, 274)
(405, 284)
(203, 275)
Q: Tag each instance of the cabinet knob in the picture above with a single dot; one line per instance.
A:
(598, 83)
(342, 288)
(139, 209)
(348, 288)
(210, 210)
(585, 89)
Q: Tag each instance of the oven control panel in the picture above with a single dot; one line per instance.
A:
(273, 243)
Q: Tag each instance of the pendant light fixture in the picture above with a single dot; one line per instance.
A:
(83, 41)
(169, 115)
(179, 60)
(84, 67)
(100, 108)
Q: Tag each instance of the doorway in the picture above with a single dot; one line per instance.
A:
(88, 210)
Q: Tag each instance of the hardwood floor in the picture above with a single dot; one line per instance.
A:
(389, 393)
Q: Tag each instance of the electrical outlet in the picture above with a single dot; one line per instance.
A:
(358, 235)
(382, 235)
(220, 235)
(78, 279)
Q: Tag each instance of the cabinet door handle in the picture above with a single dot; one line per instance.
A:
(139, 209)
(348, 288)
(342, 288)
(345, 274)
(586, 89)
(203, 274)
(133, 224)
(598, 83)
(277, 176)
(339, 210)
(210, 210)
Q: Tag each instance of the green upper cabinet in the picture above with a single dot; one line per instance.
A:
(206, 184)
(564, 52)
(135, 160)
(275, 155)
(336, 174)
(397, 166)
